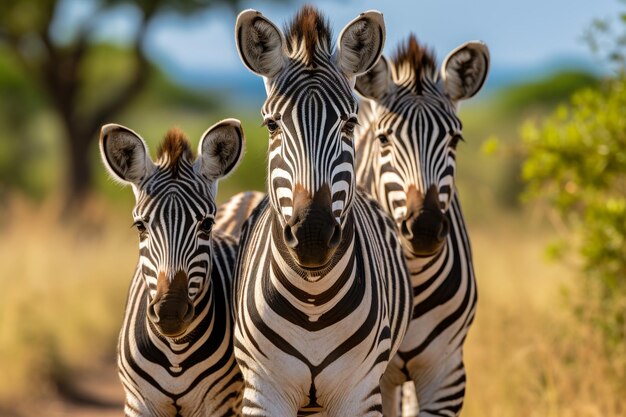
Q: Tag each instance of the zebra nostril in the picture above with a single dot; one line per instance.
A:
(444, 229)
(152, 314)
(335, 239)
(189, 313)
(288, 236)
(405, 228)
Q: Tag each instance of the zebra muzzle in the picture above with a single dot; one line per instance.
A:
(425, 227)
(171, 311)
(312, 233)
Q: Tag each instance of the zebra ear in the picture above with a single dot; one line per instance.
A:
(259, 43)
(220, 149)
(375, 82)
(125, 154)
(361, 43)
(465, 69)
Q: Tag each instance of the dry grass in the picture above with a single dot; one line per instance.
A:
(527, 355)
(62, 298)
(64, 288)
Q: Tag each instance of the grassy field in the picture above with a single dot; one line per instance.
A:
(64, 290)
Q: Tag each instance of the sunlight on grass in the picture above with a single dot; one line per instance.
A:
(62, 298)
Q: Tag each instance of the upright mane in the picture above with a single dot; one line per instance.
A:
(174, 149)
(414, 63)
(310, 31)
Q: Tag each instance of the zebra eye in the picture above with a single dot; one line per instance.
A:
(141, 227)
(349, 125)
(272, 126)
(207, 224)
(383, 139)
(454, 141)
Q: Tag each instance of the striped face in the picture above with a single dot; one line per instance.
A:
(411, 131)
(310, 113)
(174, 213)
(415, 140)
(174, 216)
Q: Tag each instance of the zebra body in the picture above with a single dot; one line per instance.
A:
(175, 350)
(232, 214)
(322, 293)
(406, 152)
(322, 341)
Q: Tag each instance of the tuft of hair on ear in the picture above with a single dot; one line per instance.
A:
(311, 30)
(174, 150)
(415, 63)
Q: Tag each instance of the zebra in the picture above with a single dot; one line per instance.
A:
(406, 150)
(233, 213)
(322, 293)
(175, 351)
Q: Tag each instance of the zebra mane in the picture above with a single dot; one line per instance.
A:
(174, 149)
(310, 30)
(414, 63)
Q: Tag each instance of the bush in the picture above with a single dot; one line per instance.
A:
(576, 161)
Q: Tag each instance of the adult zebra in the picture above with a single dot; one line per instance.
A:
(322, 296)
(406, 157)
(175, 352)
(232, 214)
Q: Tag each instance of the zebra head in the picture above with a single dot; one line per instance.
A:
(310, 113)
(414, 131)
(174, 212)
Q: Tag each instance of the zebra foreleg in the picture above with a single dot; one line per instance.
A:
(443, 392)
(262, 399)
(391, 398)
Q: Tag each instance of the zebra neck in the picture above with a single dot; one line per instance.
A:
(422, 265)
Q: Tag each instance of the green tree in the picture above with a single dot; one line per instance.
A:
(57, 68)
(576, 161)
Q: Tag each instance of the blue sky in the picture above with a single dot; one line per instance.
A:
(523, 36)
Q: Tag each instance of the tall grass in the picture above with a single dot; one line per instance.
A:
(63, 290)
(528, 354)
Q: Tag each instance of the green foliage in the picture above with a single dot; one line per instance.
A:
(576, 161)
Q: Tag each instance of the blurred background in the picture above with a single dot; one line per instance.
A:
(541, 179)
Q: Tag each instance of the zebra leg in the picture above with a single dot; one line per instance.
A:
(362, 400)
(391, 399)
(443, 392)
(261, 398)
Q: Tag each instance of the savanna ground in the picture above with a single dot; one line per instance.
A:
(63, 283)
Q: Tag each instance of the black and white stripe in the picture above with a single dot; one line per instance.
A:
(407, 145)
(232, 214)
(315, 334)
(175, 350)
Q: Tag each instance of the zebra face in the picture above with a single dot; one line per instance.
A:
(414, 171)
(414, 132)
(174, 213)
(310, 113)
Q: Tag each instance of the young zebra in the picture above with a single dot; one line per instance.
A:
(322, 296)
(175, 352)
(406, 158)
